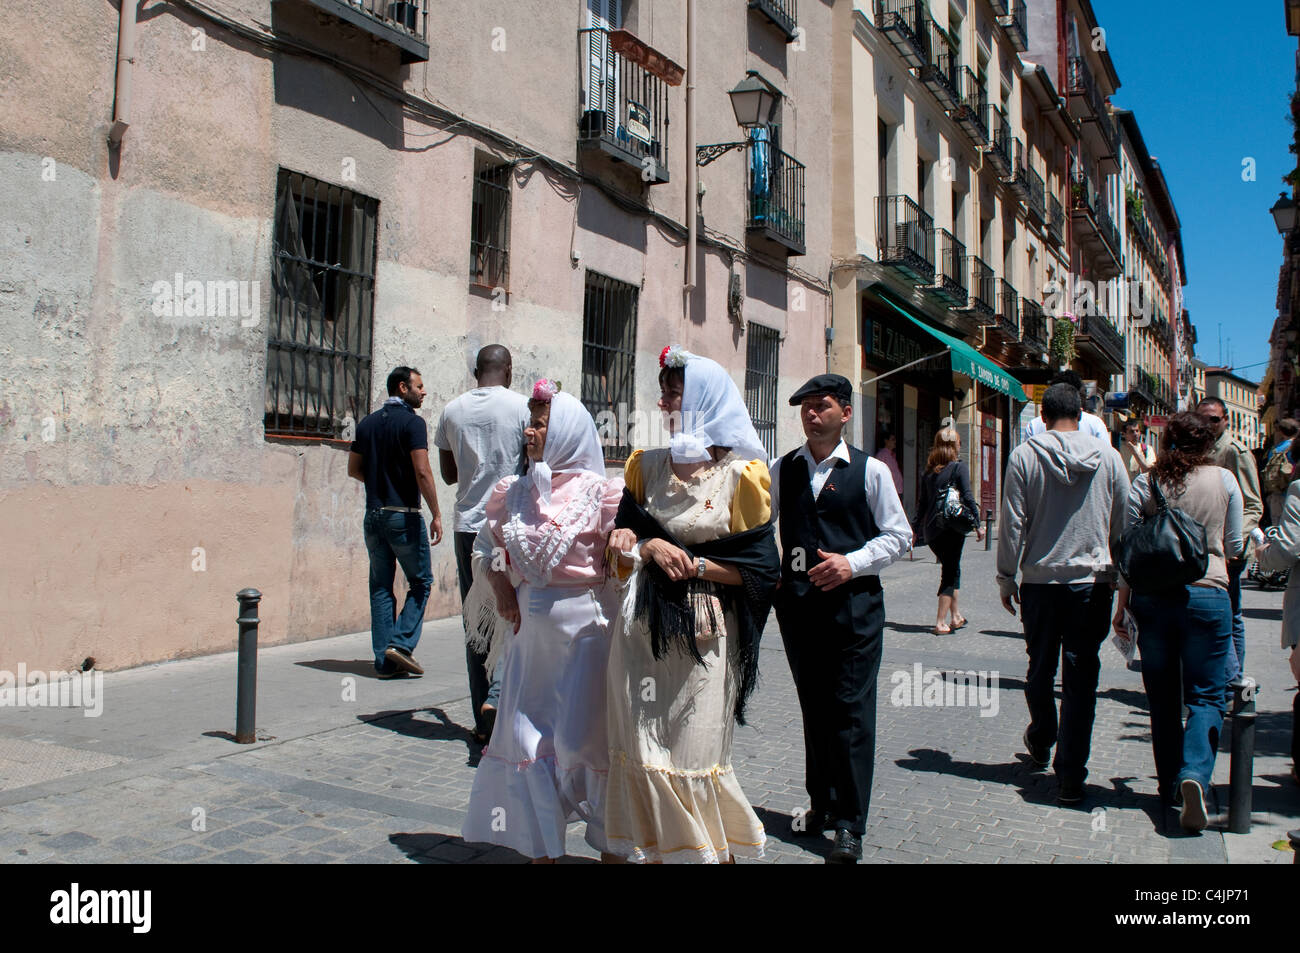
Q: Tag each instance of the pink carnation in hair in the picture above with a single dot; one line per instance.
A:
(545, 389)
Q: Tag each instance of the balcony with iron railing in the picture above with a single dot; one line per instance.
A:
(1016, 23)
(983, 290)
(782, 14)
(1093, 228)
(776, 197)
(1027, 183)
(622, 106)
(1006, 326)
(904, 23)
(1033, 326)
(1139, 387)
(400, 23)
(1055, 219)
(1097, 336)
(950, 271)
(941, 72)
(971, 113)
(999, 156)
(905, 233)
(1086, 105)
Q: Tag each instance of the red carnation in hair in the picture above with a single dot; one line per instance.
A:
(663, 355)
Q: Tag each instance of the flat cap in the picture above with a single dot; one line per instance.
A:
(832, 385)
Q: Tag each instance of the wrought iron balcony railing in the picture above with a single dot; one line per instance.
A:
(1028, 184)
(1033, 325)
(403, 23)
(983, 288)
(903, 22)
(1000, 155)
(1008, 311)
(950, 273)
(776, 196)
(1085, 104)
(1096, 331)
(971, 113)
(783, 14)
(1056, 219)
(1016, 23)
(941, 72)
(623, 107)
(905, 233)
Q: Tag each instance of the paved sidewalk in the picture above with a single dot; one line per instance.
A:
(353, 769)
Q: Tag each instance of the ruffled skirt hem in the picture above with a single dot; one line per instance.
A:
(527, 807)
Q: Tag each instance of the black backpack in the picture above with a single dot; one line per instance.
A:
(1163, 550)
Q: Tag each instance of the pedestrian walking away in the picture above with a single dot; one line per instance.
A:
(946, 537)
(390, 455)
(548, 758)
(1278, 470)
(1088, 423)
(1184, 632)
(1238, 461)
(1062, 511)
(480, 439)
(695, 542)
(841, 523)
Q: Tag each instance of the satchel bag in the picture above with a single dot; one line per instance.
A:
(1163, 550)
(950, 513)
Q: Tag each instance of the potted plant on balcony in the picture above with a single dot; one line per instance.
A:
(1062, 345)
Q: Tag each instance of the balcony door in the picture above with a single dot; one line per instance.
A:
(602, 65)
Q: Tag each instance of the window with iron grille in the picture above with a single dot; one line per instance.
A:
(318, 348)
(489, 245)
(762, 346)
(609, 360)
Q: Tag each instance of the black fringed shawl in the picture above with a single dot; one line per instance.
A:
(667, 607)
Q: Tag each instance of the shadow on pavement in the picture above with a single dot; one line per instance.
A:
(1003, 634)
(1127, 696)
(1270, 615)
(914, 629)
(781, 827)
(363, 667)
(426, 848)
(444, 729)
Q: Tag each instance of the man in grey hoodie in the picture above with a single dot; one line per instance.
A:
(1063, 508)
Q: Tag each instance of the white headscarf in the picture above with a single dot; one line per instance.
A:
(571, 444)
(713, 415)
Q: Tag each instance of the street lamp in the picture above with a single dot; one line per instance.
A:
(752, 101)
(1284, 211)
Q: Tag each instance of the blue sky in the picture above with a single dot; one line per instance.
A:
(1209, 85)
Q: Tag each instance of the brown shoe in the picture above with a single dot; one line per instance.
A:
(403, 660)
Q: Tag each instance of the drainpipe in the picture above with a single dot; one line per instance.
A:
(692, 170)
(125, 59)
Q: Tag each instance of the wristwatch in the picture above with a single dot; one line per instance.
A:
(700, 565)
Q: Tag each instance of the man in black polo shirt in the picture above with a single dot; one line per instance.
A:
(841, 523)
(391, 457)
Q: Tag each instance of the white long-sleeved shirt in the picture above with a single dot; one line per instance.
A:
(886, 509)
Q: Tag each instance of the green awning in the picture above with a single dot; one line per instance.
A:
(966, 360)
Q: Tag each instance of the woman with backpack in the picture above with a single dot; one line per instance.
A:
(944, 469)
(1184, 631)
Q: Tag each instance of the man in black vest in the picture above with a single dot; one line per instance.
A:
(841, 523)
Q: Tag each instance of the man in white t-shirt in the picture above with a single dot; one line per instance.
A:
(480, 439)
(1088, 423)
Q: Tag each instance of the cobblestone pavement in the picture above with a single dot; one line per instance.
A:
(357, 770)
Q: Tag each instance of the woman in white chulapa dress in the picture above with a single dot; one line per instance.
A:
(540, 589)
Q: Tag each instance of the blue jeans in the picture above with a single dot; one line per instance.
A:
(394, 538)
(1236, 660)
(1184, 638)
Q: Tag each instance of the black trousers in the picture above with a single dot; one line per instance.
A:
(835, 667)
(480, 686)
(1066, 623)
(947, 547)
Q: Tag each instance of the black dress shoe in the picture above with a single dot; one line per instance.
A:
(810, 823)
(847, 849)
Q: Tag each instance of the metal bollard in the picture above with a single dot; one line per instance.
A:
(1241, 771)
(246, 684)
(988, 530)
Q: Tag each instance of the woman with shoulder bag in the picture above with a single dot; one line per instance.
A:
(1184, 630)
(1280, 553)
(943, 469)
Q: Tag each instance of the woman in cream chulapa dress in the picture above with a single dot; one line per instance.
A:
(672, 795)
